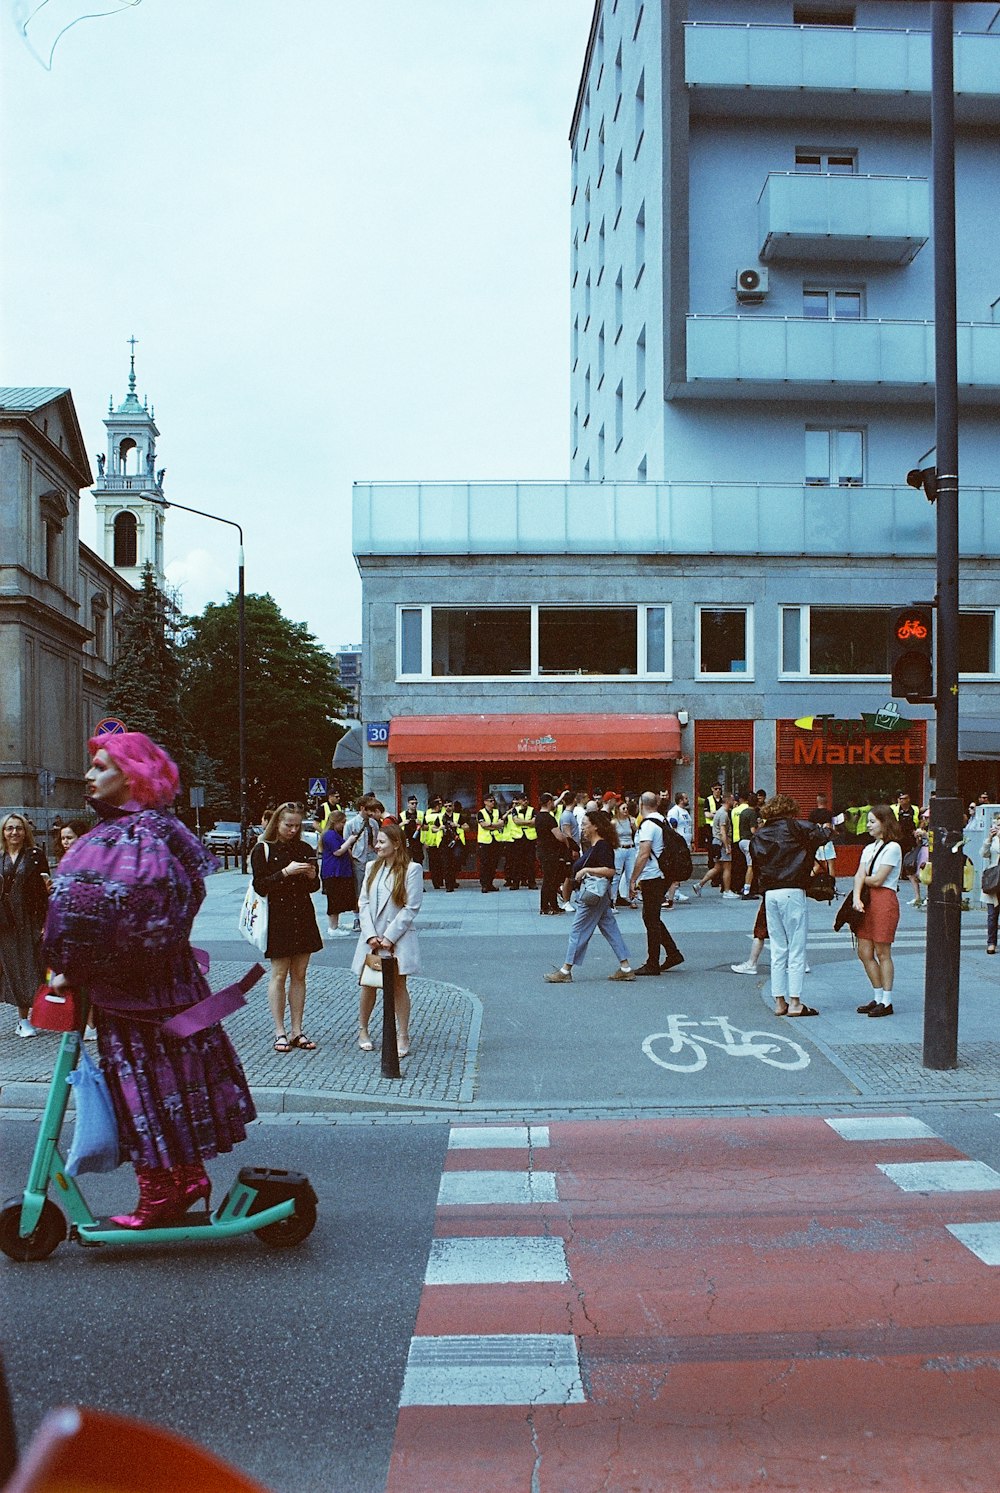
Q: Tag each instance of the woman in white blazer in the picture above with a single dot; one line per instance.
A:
(390, 899)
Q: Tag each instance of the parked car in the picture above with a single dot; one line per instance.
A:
(225, 836)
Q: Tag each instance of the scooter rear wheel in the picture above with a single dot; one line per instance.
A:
(48, 1233)
(290, 1231)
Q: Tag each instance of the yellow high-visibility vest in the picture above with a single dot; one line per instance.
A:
(430, 835)
(490, 826)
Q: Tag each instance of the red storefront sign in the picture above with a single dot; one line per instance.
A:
(851, 743)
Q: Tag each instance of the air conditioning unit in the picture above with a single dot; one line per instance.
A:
(751, 285)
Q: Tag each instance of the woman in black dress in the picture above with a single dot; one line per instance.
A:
(284, 871)
(24, 894)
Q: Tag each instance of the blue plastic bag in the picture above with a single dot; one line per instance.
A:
(95, 1134)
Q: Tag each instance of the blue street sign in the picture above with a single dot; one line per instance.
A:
(110, 726)
(317, 787)
(378, 733)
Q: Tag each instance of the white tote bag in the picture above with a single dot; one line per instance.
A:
(253, 915)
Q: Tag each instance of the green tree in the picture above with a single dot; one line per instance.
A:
(145, 687)
(293, 700)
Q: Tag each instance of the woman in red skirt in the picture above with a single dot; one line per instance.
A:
(878, 874)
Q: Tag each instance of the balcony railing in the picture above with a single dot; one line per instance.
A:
(896, 355)
(126, 482)
(863, 219)
(676, 518)
(846, 60)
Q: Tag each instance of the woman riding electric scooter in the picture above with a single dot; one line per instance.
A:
(123, 901)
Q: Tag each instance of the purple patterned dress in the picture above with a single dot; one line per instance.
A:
(124, 898)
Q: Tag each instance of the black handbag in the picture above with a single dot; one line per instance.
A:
(821, 887)
(991, 880)
(847, 914)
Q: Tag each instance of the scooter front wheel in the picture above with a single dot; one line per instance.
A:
(48, 1233)
(292, 1230)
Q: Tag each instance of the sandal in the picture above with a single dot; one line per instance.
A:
(365, 1042)
(304, 1042)
(783, 1012)
(403, 1047)
(803, 1011)
(281, 1043)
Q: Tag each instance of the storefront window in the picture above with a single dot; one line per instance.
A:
(723, 640)
(849, 640)
(587, 640)
(480, 641)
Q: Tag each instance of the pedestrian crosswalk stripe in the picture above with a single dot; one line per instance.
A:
(494, 1369)
(982, 1238)
(496, 1261)
(497, 1187)
(499, 1137)
(881, 1127)
(942, 1176)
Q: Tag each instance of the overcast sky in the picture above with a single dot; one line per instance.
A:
(340, 233)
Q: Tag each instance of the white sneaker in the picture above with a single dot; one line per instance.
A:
(566, 906)
(734, 895)
(680, 897)
(746, 968)
(342, 933)
(24, 1028)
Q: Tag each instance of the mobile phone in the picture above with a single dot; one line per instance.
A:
(838, 818)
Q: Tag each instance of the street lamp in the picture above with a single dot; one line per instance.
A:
(241, 616)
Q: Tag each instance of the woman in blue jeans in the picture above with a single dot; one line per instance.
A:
(600, 841)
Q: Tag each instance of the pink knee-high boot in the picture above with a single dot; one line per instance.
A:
(160, 1200)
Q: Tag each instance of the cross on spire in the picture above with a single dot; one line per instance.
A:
(131, 377)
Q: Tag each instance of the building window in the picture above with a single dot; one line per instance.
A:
(640, 242)
(834, 458)
(99, 625)
(977, 650)
(832, 305)
(640, 112)
(600, 153)
(619, 305)
(51, 532)
(835, 162)
(600, 455)
(822, 15)
(618, 188)
(640, 368)
(576, 340)
(536, 641)
(638, 21)
(640, 471)
(618, 80)
(126, 540)
(600, 253)
(600, 356)
(725, 642)
(586, 399)
(411, 649)
(576, 427)
(619, 414)
(586, 301)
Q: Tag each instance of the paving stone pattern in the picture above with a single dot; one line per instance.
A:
(897, 1068)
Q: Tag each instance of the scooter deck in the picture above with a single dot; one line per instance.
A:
(193, 1226)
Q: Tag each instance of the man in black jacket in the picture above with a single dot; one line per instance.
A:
(784, 853)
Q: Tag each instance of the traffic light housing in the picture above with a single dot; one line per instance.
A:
(912, 654)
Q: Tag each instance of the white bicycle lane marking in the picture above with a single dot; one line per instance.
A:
(769, 1047)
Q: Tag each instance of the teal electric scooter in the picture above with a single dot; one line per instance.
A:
(278, 1206)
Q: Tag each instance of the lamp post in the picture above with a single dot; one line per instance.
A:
(241, 654)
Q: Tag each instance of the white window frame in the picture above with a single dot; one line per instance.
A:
(833, 433)
(641, 621)
(724, 606)
(994, 642)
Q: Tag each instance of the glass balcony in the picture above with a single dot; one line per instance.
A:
(861, 219)
(679, 518)
(835, 357)
(840, 60)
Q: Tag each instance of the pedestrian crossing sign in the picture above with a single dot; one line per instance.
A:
(317, 787)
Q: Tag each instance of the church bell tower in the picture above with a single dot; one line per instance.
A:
(129, 489)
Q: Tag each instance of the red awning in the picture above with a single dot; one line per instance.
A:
(504, 738)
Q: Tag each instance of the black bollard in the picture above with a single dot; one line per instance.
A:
(390, 1047)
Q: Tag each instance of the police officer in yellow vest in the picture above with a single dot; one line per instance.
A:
(431, 837)
(521, 835)
(713, 801)
(452, 843)
(489, 837)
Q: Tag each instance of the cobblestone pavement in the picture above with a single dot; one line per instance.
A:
(440, 1068)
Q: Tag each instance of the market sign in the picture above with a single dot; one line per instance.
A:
(537, 744)
(877, 739)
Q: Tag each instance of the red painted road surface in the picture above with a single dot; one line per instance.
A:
(755, 1306)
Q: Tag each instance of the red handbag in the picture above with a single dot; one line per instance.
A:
(54, 1010)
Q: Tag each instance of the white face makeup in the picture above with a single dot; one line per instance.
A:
(106, 782)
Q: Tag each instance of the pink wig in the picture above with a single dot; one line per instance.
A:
(152, 776)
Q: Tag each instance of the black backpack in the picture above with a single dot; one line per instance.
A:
(675, 861)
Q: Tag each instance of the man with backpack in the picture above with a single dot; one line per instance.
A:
(657, 866)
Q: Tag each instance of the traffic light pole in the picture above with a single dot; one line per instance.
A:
(944, 899)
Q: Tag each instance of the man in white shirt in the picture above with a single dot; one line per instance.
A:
(680, 819)
(360, 834)
(649, 881)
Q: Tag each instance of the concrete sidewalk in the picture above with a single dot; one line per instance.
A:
(469, 938)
